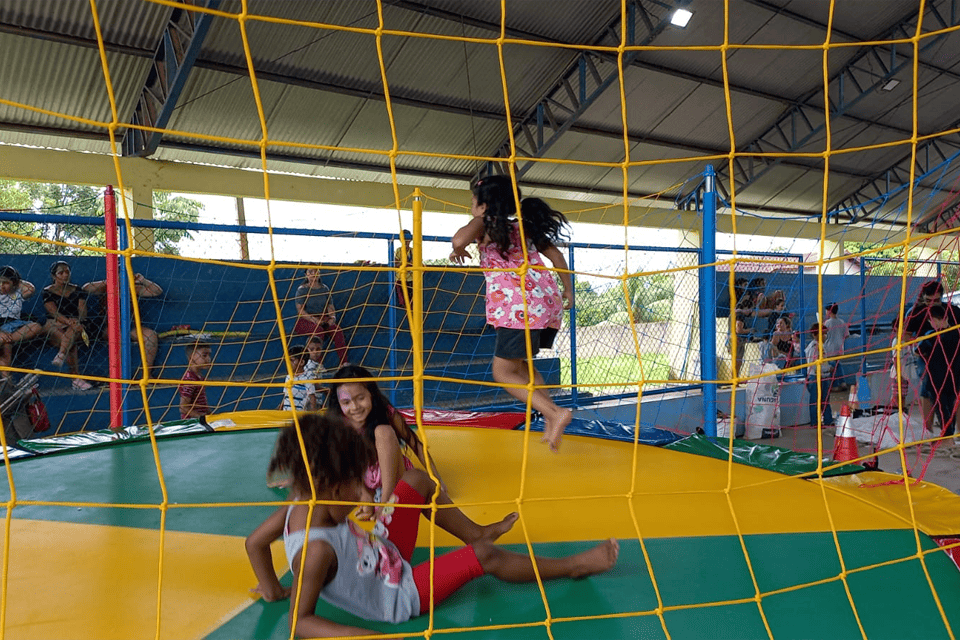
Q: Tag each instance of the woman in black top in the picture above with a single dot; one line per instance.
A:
(66, 306)
(781, 342)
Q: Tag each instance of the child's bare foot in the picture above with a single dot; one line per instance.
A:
(496, 529)
(602, 557)
(554, 426)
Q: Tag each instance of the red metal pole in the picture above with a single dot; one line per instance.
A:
(113, 307)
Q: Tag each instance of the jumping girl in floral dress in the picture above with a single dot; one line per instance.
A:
(515, 302)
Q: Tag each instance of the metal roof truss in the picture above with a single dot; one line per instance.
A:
(853, 83)
(580, 86)
(174, 59)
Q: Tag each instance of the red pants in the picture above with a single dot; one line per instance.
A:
(450, 571)
(404, 292)
(306, 328)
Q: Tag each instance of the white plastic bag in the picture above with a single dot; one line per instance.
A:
(883, 430)
(723, 427)
(763, 401)
(888, 431)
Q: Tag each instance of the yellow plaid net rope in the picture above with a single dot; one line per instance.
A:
(266, 142)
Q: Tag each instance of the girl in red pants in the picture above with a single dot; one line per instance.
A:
(369, 575)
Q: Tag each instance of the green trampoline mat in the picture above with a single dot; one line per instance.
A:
(893, 601)
(690, 571)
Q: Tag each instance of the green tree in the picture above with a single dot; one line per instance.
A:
(16, 198)
(176, 209)
(888, 261)
(12, 197)
(72, 200)
(78, 200)
(590, 304)
(651, 297)
(879, 260)
(647, 298)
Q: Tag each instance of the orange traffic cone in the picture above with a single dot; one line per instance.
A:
(845, 443)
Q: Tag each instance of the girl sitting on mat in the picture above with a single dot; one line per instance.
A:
(369, 575)
(496, 230)
(363, 406)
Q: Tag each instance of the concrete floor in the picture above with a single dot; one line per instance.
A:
(940, 466)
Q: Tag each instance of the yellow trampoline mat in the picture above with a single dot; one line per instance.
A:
(70, 580)
(595, 489)
(589, 491)
(107, 577)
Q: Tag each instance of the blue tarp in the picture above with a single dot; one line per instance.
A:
(612, 431)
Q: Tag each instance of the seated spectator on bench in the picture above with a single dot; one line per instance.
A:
(13, 291)
(316, 315)
(776, 304)
(145, 289)
(781, 343)
(66, 306)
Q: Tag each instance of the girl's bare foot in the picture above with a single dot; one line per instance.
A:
(554, 426)
(601, 558)
(494, 530)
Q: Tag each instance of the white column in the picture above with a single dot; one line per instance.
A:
(832, 249)
(925, 266)
(138, 200)
(683, 333)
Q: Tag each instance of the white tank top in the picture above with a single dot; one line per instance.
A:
(373, 581)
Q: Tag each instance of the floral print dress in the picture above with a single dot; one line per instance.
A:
(504, 297)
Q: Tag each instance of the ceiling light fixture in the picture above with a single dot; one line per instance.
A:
(681, 17)
(890, 86)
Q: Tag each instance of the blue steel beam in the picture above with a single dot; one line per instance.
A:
(580, 85)
(862, 76)
(872, 197)
(174, 59)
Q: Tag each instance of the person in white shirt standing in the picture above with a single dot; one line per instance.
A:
(835, 333)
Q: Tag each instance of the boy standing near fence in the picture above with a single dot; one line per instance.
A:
(314, 369)
(316, 351)
(820, 409)
(304, 393)
(193, 397)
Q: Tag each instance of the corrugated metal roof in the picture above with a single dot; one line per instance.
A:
(135, 24)
(864, 20)
(568, 21)
(63, 80)
(322, 86)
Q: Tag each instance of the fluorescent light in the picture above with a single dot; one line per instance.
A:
(681, 17)
(890, 86)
